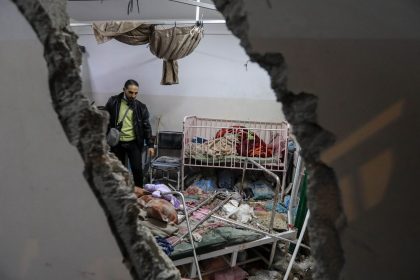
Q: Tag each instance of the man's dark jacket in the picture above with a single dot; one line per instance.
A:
(142, 128)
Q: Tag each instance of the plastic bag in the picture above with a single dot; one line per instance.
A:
(262, 190)
(230, 207)
(244, 214)
(206, 184)
(281, 207)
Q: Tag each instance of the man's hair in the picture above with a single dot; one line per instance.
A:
(130, 83)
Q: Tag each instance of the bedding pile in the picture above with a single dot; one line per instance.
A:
(164, 216)
(236, 142)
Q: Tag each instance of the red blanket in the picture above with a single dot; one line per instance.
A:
(249, 143)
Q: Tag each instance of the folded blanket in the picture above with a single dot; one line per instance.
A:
(215, 148)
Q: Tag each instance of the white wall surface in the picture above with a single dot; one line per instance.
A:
(51, 226)
(213, 80)
(172, 110)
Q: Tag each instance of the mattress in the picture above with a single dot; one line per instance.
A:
(215, 239)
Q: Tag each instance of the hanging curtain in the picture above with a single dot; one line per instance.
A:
(172, 44)
(168, 44)
(127, 32)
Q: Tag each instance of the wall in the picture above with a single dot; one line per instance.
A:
(213, 80)
(51, 226)
(362, 61)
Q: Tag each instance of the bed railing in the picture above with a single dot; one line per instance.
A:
(220, 143)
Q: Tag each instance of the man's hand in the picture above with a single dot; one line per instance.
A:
(151, 152)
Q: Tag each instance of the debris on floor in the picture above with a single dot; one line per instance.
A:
(224, 213)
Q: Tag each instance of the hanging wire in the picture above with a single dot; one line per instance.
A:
(269, 4)
(246, 65)
(130, 6)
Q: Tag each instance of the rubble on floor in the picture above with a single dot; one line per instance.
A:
(220, 194)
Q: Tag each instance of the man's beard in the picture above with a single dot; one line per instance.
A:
(129, 99)
(130, 102)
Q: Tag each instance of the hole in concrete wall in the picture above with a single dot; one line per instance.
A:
(85, 128)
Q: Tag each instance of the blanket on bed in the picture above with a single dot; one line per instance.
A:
(249, 143)
(216, 148)
(235, 141)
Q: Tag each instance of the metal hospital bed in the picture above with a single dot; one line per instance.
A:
(272, 141)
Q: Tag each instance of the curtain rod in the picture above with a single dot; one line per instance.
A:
(161, 22)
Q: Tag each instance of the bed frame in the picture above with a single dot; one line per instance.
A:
(271, 139)
(267, 147)
(230, 253)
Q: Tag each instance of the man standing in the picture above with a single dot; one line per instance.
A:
(135, 128)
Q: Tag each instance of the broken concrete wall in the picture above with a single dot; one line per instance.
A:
(51, 226)
(361, 61)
